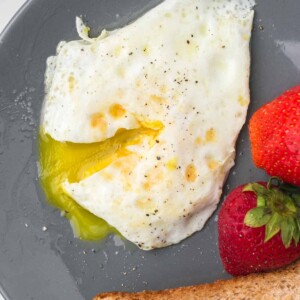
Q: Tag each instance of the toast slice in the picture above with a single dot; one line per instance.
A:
(280, 284)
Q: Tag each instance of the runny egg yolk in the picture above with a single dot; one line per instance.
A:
(61, 161)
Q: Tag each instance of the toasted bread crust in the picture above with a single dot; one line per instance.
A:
(280, 284)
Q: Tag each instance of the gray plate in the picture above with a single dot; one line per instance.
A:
(39, 257)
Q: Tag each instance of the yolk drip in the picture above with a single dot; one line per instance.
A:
(61, 161)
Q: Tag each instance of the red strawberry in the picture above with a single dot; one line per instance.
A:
(275, 137)
(270, 238)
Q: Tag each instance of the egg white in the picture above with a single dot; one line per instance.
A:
(184, 64)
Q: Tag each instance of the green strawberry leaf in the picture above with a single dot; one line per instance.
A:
(273, 226)
(260, 192)
(276, 200)
(290, 205)
(297, 220)
(259, 189)
(297, 231)
(261, 202)
(248, 188)
(257, 217)
(296, 235)
(287, 231)
(281, 203)
(278, 208)
(296, 198)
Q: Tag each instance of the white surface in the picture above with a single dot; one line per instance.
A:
(7, 10)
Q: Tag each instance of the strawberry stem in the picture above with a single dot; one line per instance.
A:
(278, 183)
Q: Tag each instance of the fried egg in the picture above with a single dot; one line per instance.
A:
(144, 119)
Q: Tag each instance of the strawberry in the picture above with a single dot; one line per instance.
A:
(259, 227)
(275, 137)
